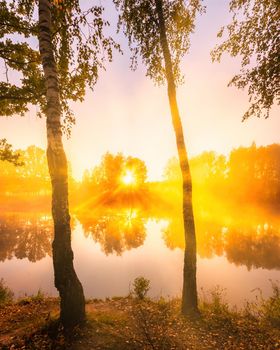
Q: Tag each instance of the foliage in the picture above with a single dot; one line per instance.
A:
(271, 306)
(247, 178)
(80, 45)
(112, 167)
(115, 215)
(31, 178)
(217, 301)
(18, 55)
(34, 298)
(7, 153)
(141, 286)
(6, 295)
(249, 174)
(140, 23)
(266, 310)
(214, 302)
(254, 34)
(106, 179)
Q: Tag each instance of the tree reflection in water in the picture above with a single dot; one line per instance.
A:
(254, 242)
(116, 230)
(25, 236)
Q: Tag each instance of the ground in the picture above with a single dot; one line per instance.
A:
(123, 323)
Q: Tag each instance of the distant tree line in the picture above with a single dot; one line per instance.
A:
(249, 175)
(31, 178)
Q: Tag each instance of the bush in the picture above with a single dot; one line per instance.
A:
(141, 286)
(271, 307)
(216, 309)
(215, 302)
(266, 311)
(6, 295)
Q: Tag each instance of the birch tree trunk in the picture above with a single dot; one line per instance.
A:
(72, 301)
(189, 295)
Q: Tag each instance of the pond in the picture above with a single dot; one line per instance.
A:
(113, 248)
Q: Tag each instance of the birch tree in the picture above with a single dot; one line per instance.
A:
(72, 50)
(158, 32)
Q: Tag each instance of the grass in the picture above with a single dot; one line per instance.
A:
(6, 294)
(266, 310)
(141, 323)
(39, 297)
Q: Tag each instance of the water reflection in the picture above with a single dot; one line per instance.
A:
(253, 243)
(25, 236)
(255, 248)
(115, 230)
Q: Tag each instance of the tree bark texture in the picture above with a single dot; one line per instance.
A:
(189, 294)
(72, 301)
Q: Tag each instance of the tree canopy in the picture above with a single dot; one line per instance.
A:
(7, 153)
(80, 46)
(254, 35)
(139, 21)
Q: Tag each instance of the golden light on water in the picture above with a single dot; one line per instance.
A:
(130, 215)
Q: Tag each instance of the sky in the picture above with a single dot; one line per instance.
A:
(127, 113)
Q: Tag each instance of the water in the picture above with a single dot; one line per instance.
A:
(115, 247)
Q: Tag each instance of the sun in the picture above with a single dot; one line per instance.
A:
(128, 178)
